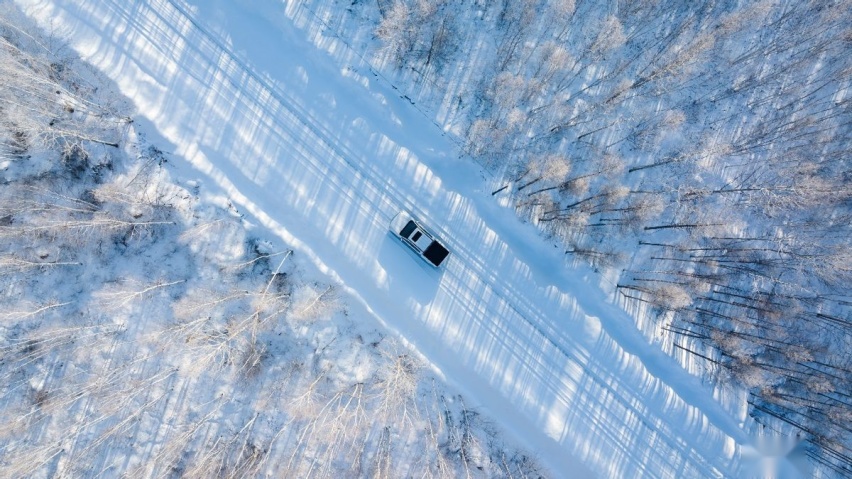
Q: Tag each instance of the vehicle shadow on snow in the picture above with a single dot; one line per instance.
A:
(407, 273)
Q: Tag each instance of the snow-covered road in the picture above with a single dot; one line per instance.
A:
(322, 155)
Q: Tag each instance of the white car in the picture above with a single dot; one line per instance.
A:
(413, 234)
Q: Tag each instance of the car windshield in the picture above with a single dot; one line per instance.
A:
(436, 253)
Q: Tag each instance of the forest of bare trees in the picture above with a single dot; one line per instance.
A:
(700, 148)
(145, 333)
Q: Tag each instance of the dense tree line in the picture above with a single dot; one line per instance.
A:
(702, 147)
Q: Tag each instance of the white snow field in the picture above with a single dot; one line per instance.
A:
(324, 155)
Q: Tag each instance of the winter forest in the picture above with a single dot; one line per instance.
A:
(695, 154)
(701, 150)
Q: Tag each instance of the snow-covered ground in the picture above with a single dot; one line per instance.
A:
(322, 155)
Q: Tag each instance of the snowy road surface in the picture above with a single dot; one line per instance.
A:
(315, 150)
